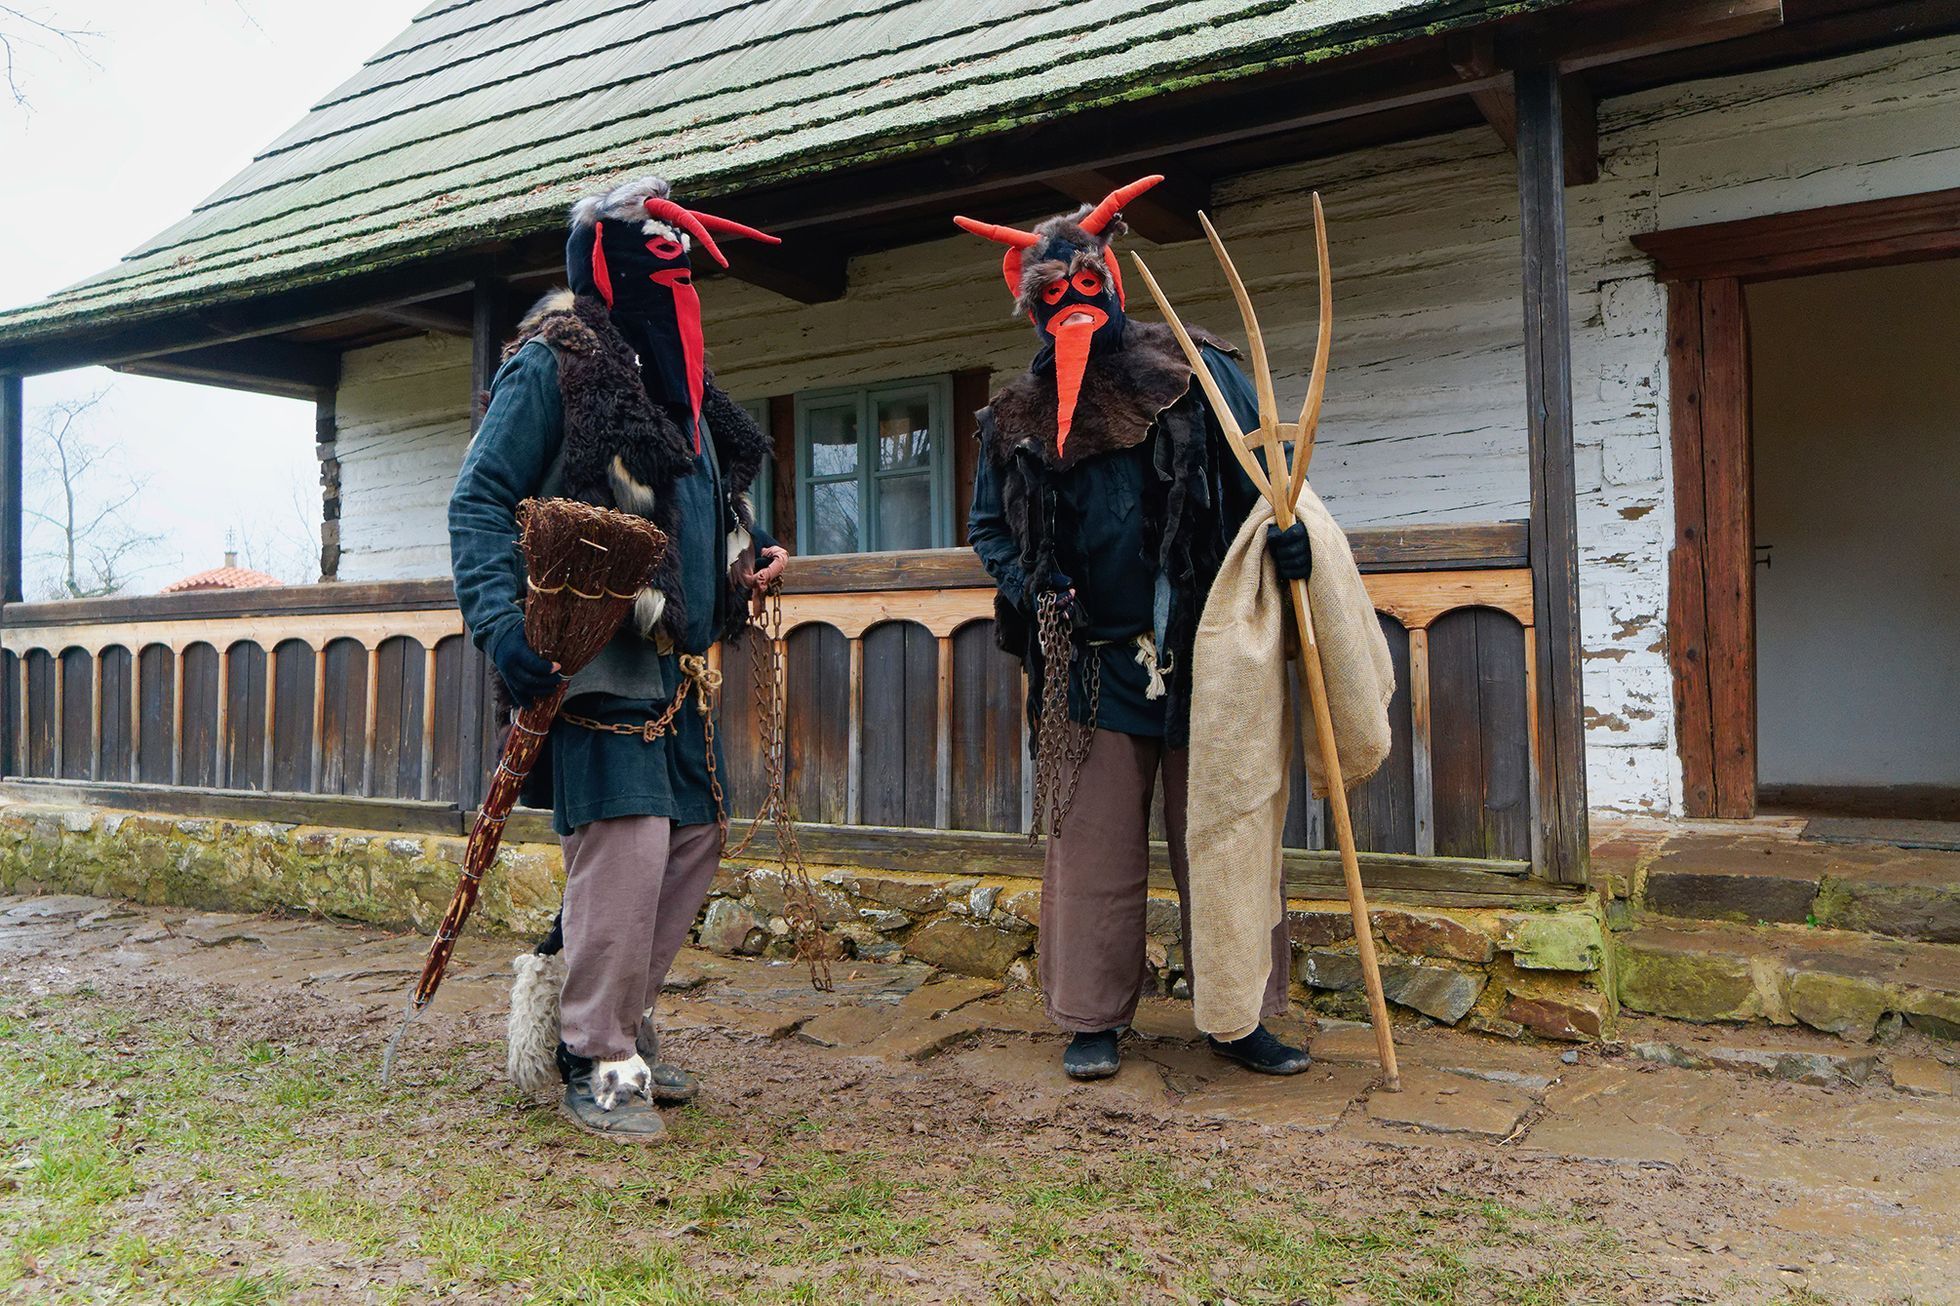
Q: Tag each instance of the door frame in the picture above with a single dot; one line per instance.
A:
(1711, 568)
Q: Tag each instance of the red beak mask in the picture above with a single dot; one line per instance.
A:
(641, 270)
(1064, 280)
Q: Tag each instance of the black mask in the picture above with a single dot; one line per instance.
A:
(641, 270)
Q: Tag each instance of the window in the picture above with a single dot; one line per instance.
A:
(873, 468)
(762, 491)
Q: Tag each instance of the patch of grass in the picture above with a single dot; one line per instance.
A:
(196, 1164)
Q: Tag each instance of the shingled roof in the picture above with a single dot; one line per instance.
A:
(485, 118)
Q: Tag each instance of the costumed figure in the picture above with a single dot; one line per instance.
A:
(604, 397)
(1103, 503)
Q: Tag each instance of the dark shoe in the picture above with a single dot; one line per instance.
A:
(1260, 1051)
(1093, 1056)
(671, 1085)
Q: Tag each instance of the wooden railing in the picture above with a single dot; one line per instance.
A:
(310, 689)
(902, 712)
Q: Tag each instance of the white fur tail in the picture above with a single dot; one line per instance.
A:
(532, 1048)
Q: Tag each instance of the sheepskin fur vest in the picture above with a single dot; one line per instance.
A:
(622, 450)
(1141, 392)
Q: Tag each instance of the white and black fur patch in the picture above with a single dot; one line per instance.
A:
(615, 1082)
(625, 202)
(531, 1045)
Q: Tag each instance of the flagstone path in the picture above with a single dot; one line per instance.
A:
(1827, 1167)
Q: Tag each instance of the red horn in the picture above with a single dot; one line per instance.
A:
(1101, 216)
(994, 231)
(730, 227)
(668, 211)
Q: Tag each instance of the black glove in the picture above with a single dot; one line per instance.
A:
(1054, 582)
(528, 677)
(1291, 553)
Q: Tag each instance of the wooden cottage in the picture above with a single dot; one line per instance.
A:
(1554, 227)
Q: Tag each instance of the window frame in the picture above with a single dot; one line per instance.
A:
(762, 491)
(937, 391)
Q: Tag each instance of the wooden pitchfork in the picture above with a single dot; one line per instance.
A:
(1281, 489)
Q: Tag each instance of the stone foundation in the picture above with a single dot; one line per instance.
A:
(1508, 971)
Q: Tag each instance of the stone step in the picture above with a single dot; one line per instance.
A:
(1836, 981)
(1755, 878)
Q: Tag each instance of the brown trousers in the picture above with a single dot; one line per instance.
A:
(633, 886)
(1094, 887)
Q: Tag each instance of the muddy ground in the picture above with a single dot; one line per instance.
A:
(189, 1111)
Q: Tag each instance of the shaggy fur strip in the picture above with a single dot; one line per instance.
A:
(531, 1049)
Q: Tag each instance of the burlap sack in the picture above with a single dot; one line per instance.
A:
(1242, 728)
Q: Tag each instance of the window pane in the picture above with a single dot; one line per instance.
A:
(905, 512)
(904, 433)
(834, 517)
(833, 440)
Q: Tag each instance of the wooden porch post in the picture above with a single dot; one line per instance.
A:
(474, 742)
(1561, 757)
(11, 417)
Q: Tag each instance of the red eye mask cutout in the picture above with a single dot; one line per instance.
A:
(665, 247)
(1052, 292)
(1087, 282)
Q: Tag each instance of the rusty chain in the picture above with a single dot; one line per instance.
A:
(769, 675)
(1060, 751)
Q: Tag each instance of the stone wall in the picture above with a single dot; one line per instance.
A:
(1503, 971)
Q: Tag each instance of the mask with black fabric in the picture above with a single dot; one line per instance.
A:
(631, 247)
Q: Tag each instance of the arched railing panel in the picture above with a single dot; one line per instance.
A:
(197, 727)
(116, 721)
(1479, 715)
(400, 674)
(156, 675)
(988, 734)
(294, 677)
(818, 714)
(900, 701)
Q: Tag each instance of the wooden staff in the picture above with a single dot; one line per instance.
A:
(1282, 490)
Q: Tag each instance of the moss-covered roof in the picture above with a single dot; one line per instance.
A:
(485, 118)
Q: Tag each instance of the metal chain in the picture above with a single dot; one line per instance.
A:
(1061, 745)
(800, 906)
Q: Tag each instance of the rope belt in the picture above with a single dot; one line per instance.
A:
(696, 675)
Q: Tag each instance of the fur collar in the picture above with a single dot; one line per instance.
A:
(622, 450)
(1123, 391)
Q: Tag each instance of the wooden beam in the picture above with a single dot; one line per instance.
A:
(1687, 619)
(1836, 238)
(813, 272)
(12, 694)
(1561, 811)
(1636, 29)
(244, 319)
(487, 310)
(264, 366)
(1166, 214)
(12, 423)
(429, 317)
(1474, 56)
(1729, 556)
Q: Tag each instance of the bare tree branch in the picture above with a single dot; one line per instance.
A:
(23, 29)
(95, 547)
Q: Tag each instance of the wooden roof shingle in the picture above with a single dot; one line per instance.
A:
(486, 118)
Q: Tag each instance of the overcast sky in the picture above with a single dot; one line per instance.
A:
(166, 103)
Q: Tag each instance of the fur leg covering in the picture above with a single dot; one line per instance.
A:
(531, 1053)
